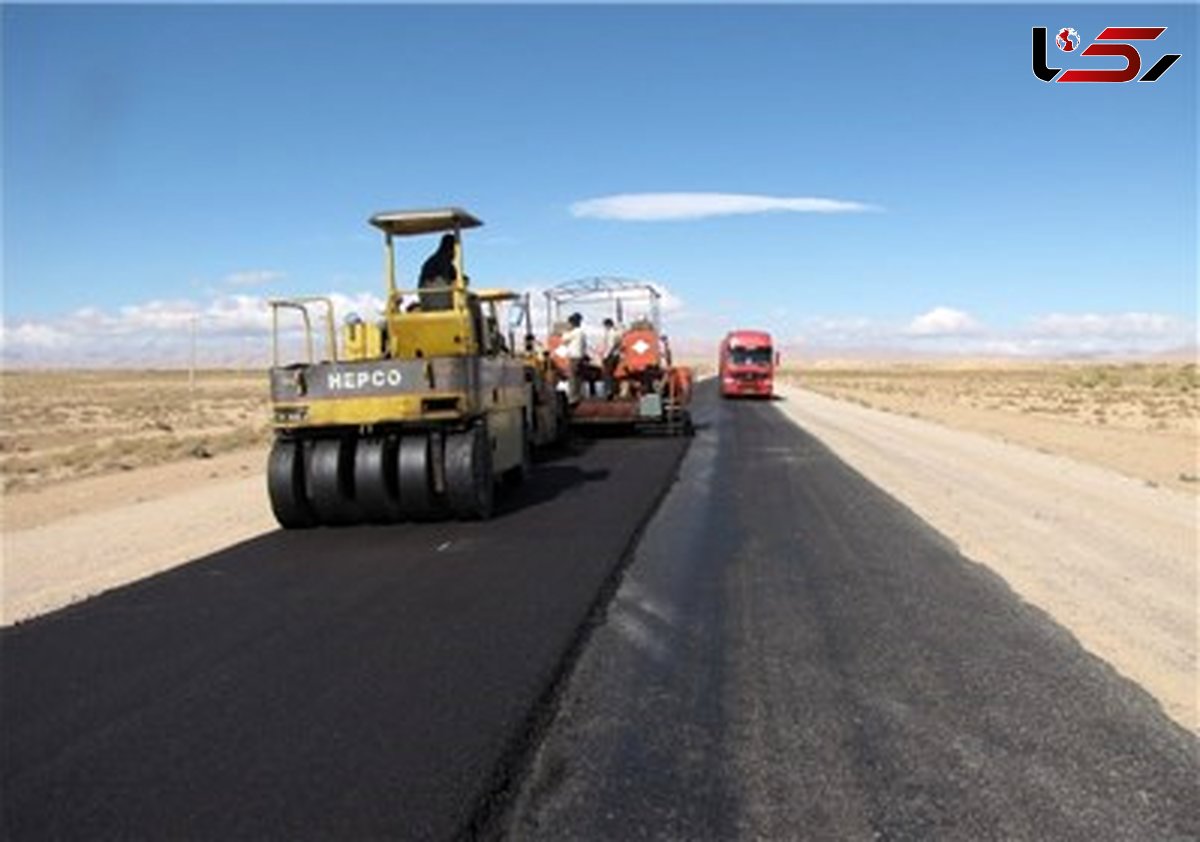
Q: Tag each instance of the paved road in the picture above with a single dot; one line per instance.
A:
(342, 684)
(793, 655)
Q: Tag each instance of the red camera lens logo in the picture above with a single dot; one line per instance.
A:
(1067, 39)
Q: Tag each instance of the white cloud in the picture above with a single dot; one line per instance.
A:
(655, 207)
(32, 335)
(235, 330)
(946, 331)
(230, 330)
(942, 322)
(234, 314)
(1113, 326)
(1108, 333)
(154, 317)
(252, 278)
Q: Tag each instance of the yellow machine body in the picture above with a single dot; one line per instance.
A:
(432, 368)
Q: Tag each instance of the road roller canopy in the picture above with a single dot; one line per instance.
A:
(496, 295)
(404, 223)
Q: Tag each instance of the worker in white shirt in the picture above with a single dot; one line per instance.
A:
(609, 353)
(574, 348)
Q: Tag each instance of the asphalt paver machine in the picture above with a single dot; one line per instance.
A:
(628, 378)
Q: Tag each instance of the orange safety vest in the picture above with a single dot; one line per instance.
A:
(563, 364)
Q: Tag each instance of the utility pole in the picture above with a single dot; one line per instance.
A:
(192, 365)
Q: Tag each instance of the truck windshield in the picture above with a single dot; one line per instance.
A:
(750, 356)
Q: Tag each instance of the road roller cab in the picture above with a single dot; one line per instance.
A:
(410, 412)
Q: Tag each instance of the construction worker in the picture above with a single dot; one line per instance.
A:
(609, 353)
(438, 272)
(574, 348)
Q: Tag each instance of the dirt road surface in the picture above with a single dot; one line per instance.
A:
(69, 542)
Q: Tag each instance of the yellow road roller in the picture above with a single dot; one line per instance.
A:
(413, 413)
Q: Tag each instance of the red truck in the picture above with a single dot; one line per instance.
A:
(747, 364)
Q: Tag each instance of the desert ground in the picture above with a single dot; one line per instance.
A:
(1139, 419)
(1142, 420)
(62, 426)
(112, 476)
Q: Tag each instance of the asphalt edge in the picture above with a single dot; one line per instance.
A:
(492, 812)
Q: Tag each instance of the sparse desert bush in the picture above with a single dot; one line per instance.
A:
(1181, 379)
(1140, 418)
(61, 425)
(1094, 377)
(1134, 395)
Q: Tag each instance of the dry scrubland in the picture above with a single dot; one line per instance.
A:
(60, 426)
(1140, 419)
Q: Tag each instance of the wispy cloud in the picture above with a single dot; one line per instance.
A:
(252, 278)
(658, 207)
(943, 321)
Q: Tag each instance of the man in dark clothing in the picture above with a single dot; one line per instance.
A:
(438, 272)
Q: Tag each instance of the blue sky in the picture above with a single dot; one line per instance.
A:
(163, 160)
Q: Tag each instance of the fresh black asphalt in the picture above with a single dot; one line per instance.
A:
(368, 683)
(792, 654)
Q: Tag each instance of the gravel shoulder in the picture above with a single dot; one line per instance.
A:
(70, 541)
(1111, 558)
